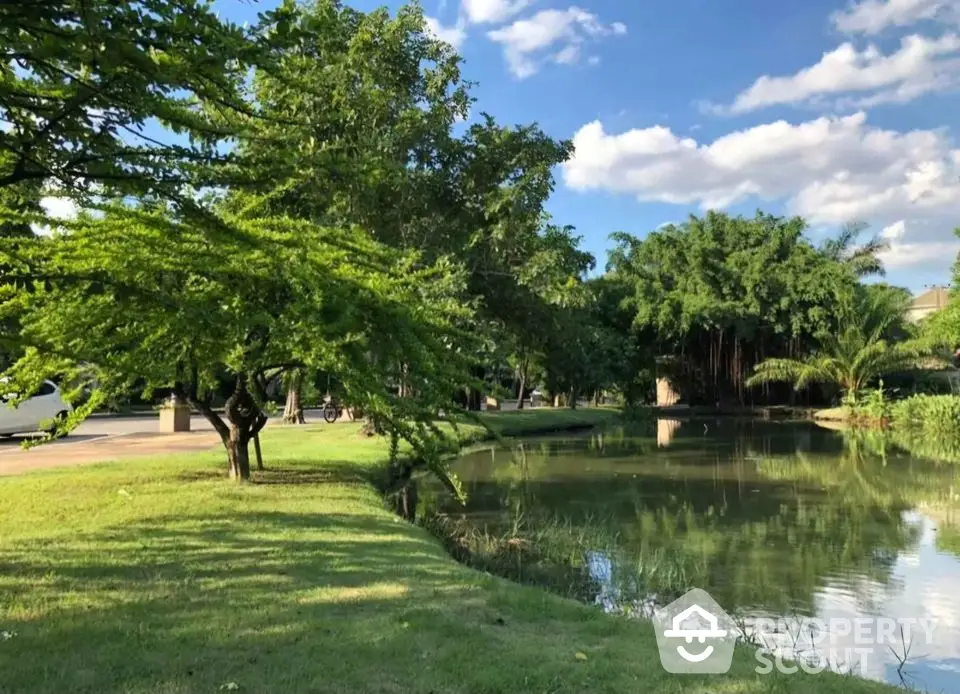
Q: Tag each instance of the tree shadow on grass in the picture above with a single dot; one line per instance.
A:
(290, 472)
(294, 600)
(332, 472)
(198, 598)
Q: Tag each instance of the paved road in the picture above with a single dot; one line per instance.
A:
(100, 428)
(147, 424)
(106, 437)
(102, 439)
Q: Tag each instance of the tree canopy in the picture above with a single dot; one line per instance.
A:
(720, 293)
(301, 196)
(144, 297)
(859, 351)
(85, 85)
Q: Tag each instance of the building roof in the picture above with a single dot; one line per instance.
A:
(931, 299)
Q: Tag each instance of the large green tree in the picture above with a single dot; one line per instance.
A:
(115, 100)
(159, 299)
(719, 294)
(375, 103)
(350, 116)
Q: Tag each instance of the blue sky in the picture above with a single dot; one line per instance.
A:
(826, 108)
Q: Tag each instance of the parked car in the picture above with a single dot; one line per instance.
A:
(38, 413)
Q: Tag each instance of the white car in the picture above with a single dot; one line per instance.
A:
(34, 414)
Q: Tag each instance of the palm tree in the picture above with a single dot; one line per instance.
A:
(858, 354)
(863, 259)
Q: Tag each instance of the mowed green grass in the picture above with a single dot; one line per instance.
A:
(160, 576)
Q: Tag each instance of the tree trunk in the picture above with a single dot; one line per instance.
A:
(238, 454)
(406, 502)
(474, 395)
(523, 384)
(371, 427)
(572, 403)
(404, 388)
(256, 446)
(246, 421)
(474, 400)
(293, 411)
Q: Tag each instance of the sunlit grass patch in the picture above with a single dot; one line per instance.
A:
(299, 582)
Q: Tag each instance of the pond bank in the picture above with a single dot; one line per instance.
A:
(156, 575)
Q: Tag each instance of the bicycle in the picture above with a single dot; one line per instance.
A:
(332, 411)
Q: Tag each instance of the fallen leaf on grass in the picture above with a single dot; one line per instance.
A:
(580, 655)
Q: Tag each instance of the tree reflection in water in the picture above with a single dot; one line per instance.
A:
(762, 515)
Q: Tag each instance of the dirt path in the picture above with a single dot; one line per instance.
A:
(98, 449)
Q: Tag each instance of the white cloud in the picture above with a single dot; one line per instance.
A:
(895, 231)
(568, 55)
(829, 170)
(492, 11)
(863, 78)
(904, 252)
(873, 16)
(59, 208)
(55, 208)
(454, 35)
(528, 42)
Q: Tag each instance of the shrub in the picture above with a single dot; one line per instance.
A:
(872, 407)
(931, 413)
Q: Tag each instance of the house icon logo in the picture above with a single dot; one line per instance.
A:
(695, 635)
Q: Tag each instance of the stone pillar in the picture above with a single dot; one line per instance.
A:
(666, 395)
(174, 417)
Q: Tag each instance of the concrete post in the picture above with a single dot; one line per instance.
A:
(174, 417)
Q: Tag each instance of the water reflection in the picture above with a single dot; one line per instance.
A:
(773, 519)
(666, 429)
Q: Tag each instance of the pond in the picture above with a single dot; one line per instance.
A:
(776, 520)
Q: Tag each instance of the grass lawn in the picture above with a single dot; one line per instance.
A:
(160, 576)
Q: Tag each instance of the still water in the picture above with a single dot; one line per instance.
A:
(774, 520)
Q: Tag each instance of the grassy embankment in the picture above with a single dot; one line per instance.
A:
(159, 576)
